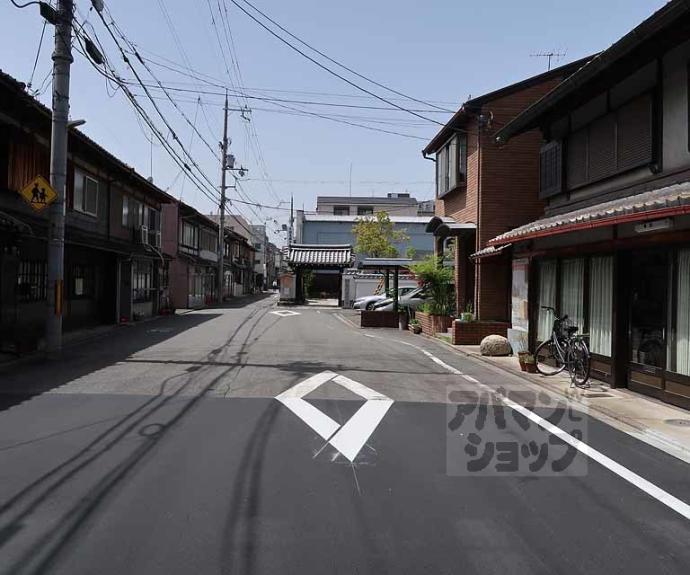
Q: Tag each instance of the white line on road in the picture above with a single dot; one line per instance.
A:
(307, 386)
(314, 418)
(354, 434)
(631, 477)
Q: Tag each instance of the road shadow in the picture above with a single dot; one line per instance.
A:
(45, 548)
(25, 380)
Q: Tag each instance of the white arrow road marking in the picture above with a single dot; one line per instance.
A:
(351, 437)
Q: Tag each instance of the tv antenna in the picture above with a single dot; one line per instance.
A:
(549, 56)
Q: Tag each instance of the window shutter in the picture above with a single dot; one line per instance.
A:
(635, 133)
(602, 148)
(577, 158)
(550, 169)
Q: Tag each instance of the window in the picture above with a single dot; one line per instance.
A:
(683, 314)
(365, 210)
(142, 281)
(125, 211)
(600, 304)
(550, 169)
(85, 194)
(451, 165)
(82, 281)
(209, 241)
(154, 220)
(547, 297)
(341, 210)
(618, 141)
(32, 281)
(572, 291)
(190, 237)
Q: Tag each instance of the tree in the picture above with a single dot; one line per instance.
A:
(410, 252)
(376, 235)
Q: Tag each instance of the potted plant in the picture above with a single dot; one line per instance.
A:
(530, 363)
(467, 315)
(522, 356)
(414, 326)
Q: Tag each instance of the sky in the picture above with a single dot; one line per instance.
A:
(439, 52)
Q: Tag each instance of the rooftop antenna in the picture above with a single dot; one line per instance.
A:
(549, 56)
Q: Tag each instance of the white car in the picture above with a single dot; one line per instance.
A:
(369, 301)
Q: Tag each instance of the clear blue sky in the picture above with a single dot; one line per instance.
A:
(440, 51)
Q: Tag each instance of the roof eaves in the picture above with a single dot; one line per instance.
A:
(529, 118)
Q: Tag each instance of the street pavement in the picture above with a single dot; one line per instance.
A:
(246, 439)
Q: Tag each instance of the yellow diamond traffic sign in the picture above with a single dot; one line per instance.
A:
(38, 193)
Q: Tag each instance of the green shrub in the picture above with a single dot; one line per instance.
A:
(438, 283)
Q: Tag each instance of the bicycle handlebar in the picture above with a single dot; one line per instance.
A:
(548, 307)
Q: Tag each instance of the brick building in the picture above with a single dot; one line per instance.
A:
(487, 190)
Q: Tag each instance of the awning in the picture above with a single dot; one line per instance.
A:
(447, 227)
(383, 263)
(489, 252)
(655, 204)
(314, 255)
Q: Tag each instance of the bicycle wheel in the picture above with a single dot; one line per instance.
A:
(548, 358)
(579, 363)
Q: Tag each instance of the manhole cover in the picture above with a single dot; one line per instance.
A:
(679, 422)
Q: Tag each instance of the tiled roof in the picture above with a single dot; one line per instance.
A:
(489, 251)
(339, 255)
(659, 203)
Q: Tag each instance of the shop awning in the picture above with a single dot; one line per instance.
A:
(651, 205)
(314, 255)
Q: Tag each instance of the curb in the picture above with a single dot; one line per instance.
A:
(660, 438)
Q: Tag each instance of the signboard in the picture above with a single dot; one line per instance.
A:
(38, 193)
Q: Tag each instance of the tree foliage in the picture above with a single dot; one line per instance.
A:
(375, 236)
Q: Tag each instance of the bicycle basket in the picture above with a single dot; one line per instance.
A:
(567, 328)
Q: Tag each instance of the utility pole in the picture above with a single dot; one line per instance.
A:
(221, 226)
(291, 220)
(62, 59)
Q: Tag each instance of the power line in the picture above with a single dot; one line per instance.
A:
(343, 66)
(332, 72)
(38, 53)
(290, 101)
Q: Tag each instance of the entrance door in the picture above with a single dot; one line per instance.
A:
(648, 320)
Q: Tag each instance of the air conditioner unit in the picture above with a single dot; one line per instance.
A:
(144, 235)
(158, 240)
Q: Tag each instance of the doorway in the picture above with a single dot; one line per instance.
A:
(648, 319)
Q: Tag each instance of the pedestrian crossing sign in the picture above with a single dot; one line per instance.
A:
(38, 193)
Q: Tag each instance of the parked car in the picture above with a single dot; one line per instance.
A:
(411, 300)
(368, 301)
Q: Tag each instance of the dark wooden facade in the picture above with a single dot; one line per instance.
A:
(614, 134)
(113, 267)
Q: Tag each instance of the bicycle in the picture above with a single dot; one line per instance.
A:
(564, 350)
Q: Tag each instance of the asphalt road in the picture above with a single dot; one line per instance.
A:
(162, 449)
